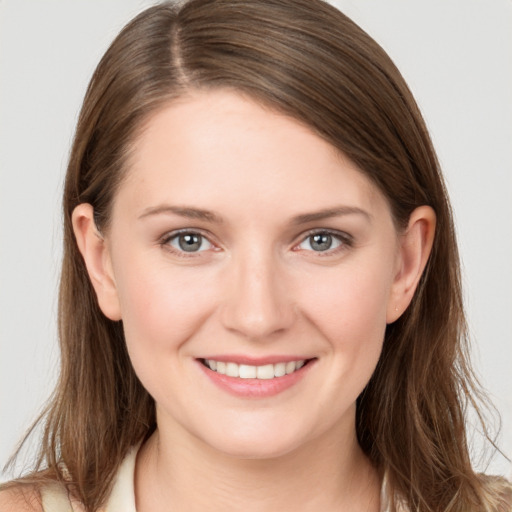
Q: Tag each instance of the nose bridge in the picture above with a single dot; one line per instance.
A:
(258, 304)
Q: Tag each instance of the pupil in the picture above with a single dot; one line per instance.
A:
(321, 242)
(190, 243)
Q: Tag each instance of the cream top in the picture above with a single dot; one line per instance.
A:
(55, 497)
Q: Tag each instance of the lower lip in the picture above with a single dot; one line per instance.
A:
(256, 388)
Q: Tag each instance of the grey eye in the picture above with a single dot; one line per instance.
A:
(321, 242)
(190, 242)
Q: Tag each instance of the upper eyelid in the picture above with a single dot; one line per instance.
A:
(343, 235)
(175, 232)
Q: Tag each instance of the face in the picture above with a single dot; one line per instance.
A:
(253, 268)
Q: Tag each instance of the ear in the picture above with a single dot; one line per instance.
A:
(96, 254)
(414, 249)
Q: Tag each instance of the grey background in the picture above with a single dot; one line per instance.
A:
(457, 58)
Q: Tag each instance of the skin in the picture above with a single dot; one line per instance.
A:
(255, 288)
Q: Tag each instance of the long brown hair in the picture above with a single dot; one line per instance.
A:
(306, 59)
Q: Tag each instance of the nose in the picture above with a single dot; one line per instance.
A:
(258, 304)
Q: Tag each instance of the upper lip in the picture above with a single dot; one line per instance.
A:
(255, 361)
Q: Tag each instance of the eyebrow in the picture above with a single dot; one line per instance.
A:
(182, 211)
(330, 213)
(208, 216)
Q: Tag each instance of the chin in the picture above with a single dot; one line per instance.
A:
(255, 443)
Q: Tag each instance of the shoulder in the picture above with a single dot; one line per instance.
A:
(498, 491)
(20, 498)
(49, 496)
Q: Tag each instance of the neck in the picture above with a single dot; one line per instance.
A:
(330, 473)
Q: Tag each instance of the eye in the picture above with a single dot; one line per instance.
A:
(189, 241)
(324, 241)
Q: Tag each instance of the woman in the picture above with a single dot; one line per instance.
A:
(260, 248)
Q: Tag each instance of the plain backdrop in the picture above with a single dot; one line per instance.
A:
(456, 56)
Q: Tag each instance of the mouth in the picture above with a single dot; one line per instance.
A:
(242, 377)
(262, 372)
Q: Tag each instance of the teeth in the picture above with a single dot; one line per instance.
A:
(245, 371)
(290, 367)
(232, 370)
(265, 372)
(280, 369)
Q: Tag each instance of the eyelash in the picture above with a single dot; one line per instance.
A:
(168, 237)
(346, 241)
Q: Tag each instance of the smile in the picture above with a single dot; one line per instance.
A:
(272, 376)
(245, 371)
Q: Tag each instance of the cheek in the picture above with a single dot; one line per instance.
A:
(354, 322)
(349, 309)
(351, 303)
(161, 307)
(162, 310)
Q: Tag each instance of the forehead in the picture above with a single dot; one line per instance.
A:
(218, 149)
